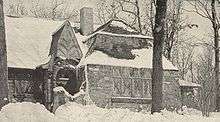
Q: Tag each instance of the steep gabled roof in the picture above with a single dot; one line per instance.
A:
(142, 57)
(60, 27)
(64, 42)
(120, 30)
(29, 40)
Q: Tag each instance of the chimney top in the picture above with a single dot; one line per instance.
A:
(86, 20)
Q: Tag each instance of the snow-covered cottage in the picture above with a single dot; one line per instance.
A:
(113, 61)
(117, 66)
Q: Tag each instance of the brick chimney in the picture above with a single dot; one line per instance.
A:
(86, 21)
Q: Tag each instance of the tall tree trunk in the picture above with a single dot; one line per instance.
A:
(217, 108)
(3, 61)
(216, 45)
(157, 74)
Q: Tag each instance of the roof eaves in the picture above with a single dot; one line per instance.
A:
(184, 83)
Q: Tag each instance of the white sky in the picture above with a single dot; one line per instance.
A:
(204, 25)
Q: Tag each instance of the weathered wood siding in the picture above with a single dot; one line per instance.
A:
(20, 85)
(105, 82)
(107, 41)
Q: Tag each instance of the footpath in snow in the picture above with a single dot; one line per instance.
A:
(73, 112)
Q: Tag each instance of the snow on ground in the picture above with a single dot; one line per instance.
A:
(26, 112)
(95, 114)
(61, 89)
(73, 112)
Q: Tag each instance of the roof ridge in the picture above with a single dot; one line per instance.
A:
(64, 23)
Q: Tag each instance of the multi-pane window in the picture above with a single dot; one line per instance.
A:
(133, 85)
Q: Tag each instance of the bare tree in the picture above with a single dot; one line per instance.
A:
(205, 76)
(176, 25)
(208, 9)
(157, 73)
(3, 61)
(135, 12)
(54, 9)
(47, 11)
(129, 11)
(173, 26)
(16, 8)
(107, 10)
(182, 57)
(145, 24)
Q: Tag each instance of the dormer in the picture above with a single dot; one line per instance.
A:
(64, 43)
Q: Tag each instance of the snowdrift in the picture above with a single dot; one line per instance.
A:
(26, 112)
(73, 112)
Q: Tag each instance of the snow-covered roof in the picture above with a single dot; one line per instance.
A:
(124, 35)
(117, 27)
(81, 39)
(184, 83)
(29, 39)
(143, 59)
(121, 24)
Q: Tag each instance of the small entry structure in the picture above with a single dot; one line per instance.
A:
(186, 87)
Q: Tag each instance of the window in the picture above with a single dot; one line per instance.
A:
(131, 86)
(134, 72)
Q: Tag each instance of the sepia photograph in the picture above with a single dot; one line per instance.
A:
(109, 61)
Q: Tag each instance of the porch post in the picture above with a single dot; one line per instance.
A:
(182, 97)
(48, 90)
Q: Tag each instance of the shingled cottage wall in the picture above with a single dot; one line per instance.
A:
(101, 78)
(106, 42)
(112, 39)
(101, 81)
